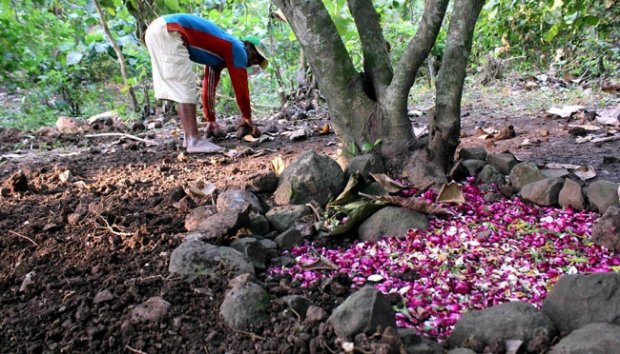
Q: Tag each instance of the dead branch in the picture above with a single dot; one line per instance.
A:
(123, 135)
(134, 350)
(111, 229)
(24, 237)
(254, 336)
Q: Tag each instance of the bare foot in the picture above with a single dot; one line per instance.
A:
(203, 146)
(214, 131)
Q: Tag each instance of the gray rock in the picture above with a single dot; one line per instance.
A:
(391, 221)
(555, 172)
(311, 177)
(595, 338)
(259, 224)
(253, 249)
(151, 310)
(545, 192)
(245, 303)
(524, 173)
(601, 195)
(221, 225)
(362, 312)
(196, 257)
(503, 162)
(283, 217)
(416, 344)
(268, 244)
(365, 165)
(571, 195)
(297, 303)
(197, 216)
(473, 153)
(606, 230)
(489, 175)
(315, 314)
(237, 199)
(103, 296)
(461, 351)
(577, 300)
(263, 182)
(289, 238)
(473, 167)
(511, 320)
(421, 172)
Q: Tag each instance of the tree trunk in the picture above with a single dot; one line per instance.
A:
(119, 55)
(445, 127)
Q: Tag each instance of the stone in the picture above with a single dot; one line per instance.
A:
(489, 175)
(606, 231)
(297, 303)
(555, 172)
(524, 173)
(580, 299)
(416, 344)
(503, 162)
(253, 250)
(237, 199)
(364, 165)
(473, 167)
(289, 238)
(362, 312)
(263, 182)
(391, 221)
(421, 172)
(511, 320)
(571, 195)
(66, 125)
(197, 216)
(103, 296)
(315, 314)
(595, 338)
(151, 310)
(268, 244)
(473, 153)
(222, 224)
(245, 303)
(195, 257)
(601, 195)
(283, 217)
(259, 224)
(461, 351)
(311, 177)
(544, 193)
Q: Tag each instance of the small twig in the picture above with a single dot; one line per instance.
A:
(134, 350)
(67, 296)
(314, 209)
(124, 135)
(24, 237)
(109, 228)
(253, 335)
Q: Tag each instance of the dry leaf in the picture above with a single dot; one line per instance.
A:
(278, 165)
(412, 203)
(564, 111)
(585, 172)
(200, 189)
(325, 129)
(388, 184)
(249, 138)
(450, 193)
(609, 116)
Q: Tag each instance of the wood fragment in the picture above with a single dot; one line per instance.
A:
(24, 237)
(111, 229)
(134, 350)
(123, 135)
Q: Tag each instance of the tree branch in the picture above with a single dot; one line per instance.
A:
(417, 50)
(445, 126)
(376, 55)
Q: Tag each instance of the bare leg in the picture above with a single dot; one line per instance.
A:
(195, 144)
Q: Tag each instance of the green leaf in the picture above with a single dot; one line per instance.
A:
(367, 147)
(173, 5)
(551, 33)
(74, 58)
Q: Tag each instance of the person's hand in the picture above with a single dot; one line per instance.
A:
(245, 126)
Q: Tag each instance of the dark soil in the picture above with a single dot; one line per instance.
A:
(112, 222)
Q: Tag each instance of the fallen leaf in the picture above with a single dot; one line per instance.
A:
(325, 129)
(450, 193)
(249, 138)
(388, 184)
(278, 165)
(609, 116)
(564, 111)
(200, 189)
(412, 203)
(585, 172)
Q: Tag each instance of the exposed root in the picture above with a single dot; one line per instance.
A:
(24, 237)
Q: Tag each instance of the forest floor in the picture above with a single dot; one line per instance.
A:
(113, 220)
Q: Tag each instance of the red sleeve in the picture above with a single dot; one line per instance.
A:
(209, 84)
(239, 78)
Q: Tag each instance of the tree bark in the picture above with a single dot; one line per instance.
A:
(119, 55)
(445, 127)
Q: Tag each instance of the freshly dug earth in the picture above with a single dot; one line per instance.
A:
(111, 222)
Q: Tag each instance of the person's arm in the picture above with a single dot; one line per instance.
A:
(239, 79)
(209, 85)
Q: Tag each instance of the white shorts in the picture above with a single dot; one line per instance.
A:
(173, 75)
